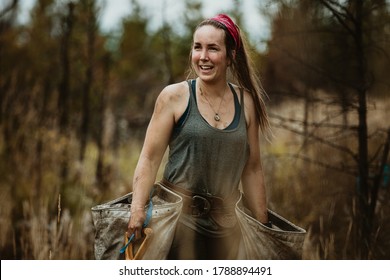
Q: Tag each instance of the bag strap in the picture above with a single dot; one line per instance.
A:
(129, 253)
(146, 222)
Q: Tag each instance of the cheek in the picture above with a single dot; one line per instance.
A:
(195, 56)
(221, 60)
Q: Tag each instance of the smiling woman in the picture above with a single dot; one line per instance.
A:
(212, 129)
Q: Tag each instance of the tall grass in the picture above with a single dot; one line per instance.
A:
(52, 219)
(315, 185)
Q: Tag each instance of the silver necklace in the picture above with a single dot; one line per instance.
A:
(216, 113)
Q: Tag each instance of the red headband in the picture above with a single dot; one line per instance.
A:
(230, 26)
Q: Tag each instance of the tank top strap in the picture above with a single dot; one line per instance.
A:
(237, 108)
(192, 86)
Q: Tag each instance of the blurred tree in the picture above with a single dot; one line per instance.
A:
(104, 105)
(358, 20)
(43, 44)
(334, 47)
(9, 50)
(135, 60)
(88, 19)
(135, 73)
(67, 24)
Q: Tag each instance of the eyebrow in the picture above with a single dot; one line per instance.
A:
(208, 45)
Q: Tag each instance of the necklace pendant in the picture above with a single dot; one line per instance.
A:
(217, 117)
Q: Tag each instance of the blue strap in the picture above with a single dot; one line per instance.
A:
(145, 224)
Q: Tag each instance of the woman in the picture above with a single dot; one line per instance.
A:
(212, 129)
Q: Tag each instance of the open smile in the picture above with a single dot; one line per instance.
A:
(206, 67)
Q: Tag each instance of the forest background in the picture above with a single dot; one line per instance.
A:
(75, 102)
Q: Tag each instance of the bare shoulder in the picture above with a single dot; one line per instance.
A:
(174, 93)
(173, 98)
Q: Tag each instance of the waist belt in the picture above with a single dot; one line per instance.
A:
(202, 205)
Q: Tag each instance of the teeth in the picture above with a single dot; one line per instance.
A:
(205, 67)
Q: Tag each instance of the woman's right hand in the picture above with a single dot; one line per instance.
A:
(136, 221)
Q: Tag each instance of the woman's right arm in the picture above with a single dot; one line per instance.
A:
(155, 144)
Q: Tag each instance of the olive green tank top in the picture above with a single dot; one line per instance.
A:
(204, 159)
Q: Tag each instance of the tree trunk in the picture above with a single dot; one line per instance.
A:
(64, 88)
(39, 148)
(363, 164)
(103, 105)
(91, 30)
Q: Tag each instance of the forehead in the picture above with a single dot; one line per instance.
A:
(209, 34)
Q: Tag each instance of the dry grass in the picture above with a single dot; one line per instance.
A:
(310, 184)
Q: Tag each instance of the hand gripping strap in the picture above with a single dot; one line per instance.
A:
(146, 222)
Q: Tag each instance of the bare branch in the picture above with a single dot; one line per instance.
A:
(320, 140)
(347, 13)
(10, 7)
(343, 169)
(313, 124)
(338, 16)
(315, 69)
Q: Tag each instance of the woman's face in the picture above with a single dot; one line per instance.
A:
(208, 55)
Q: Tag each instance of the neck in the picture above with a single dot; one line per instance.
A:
(214, 89)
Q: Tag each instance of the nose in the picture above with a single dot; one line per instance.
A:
(204, 55)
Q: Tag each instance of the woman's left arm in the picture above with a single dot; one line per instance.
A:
(252, 178)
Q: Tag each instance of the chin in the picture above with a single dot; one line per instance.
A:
(206, 77)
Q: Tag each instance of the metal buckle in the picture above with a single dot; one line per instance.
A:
(200, 206)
